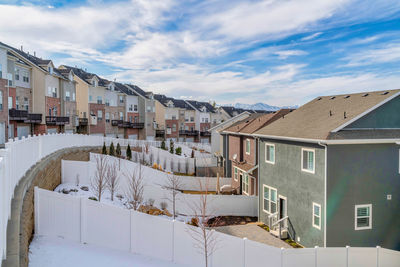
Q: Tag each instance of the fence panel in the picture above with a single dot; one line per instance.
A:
(366, 257)
(224, 246)
(186, 250)
(298, 257)
(57, 215)
(331, 257)
(388, 258)
(151, 236)
(257, 254)
(105, 225)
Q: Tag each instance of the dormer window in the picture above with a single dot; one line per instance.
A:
(70, 77)
(50, 69)
(94, 83)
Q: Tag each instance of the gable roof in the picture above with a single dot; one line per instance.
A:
(232, 111)
(138, 90)
(256, 121)
(199, 105)
(124, 89)
(226, 124)
(319, 117)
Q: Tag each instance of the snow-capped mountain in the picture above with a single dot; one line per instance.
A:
(260, 106)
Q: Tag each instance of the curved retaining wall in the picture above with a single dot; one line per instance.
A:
(45, 174)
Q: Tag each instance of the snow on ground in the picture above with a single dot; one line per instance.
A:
(50, 252)
(119, 200)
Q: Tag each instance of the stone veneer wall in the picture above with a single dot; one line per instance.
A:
(45, 174)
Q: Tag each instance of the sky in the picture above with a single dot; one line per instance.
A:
(279, 52)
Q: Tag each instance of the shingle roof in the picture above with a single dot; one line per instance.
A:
(83, 75)
(232, 111)
(319, 117)
(199, 105)
(256, 121)
(123, 89)
(138, 90)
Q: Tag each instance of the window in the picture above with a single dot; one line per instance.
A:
(50, 69)
(270, 153)
(10, 79)
(248, 146)
(245, 183)
(10, 102)
(26, 103)
(130, 107)
(1, 100)
(135, 108)
(235, 174)
(25, 76)
(270, 199)
(148, 109)
(55, 111)
(363, 217)
(90, 98)
(173, 117)
(17, 74)
(107, 117)
(73, 97)
(99, 115)
(1, 71)
(99, 100)
(54, 92)
(17, 102)
(67, 96)
(107, 102)
(192, 119)
(308, 160)
(316, 215)
(121, 99)
(121, 115)
(174, 127)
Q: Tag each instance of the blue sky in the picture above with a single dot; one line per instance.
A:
(276, 52)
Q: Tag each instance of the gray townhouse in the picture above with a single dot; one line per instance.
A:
(329, 171)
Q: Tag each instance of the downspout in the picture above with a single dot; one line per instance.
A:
(325, 188)
(258, 176)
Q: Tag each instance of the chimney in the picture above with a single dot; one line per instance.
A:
(344, 115)
(34, 53)
(22, 48)
(330, 113)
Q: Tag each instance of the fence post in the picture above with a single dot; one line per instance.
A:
(282, 249)
(377, 255)
(316, 256)
(173, 240)
(244, 251)
(347, 256)
(36, 207)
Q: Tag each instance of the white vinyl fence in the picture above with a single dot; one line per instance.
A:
(95, 223)
(237, 205)
(20, 155)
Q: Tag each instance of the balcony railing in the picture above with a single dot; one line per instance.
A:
(83, 121)
(160, 133)
(205, 133)
(116, 123)
(127, 124)
(56, 120)
(34, 118)
(190, 133)
(17, 115)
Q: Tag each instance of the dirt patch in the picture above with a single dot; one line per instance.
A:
(231, 220)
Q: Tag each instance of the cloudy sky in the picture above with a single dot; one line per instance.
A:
(279, 52)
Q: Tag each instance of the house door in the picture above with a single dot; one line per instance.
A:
(2, 133)
(283, 209)
(240, 183)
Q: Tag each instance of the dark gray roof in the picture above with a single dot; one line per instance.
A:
(138, 90)
(232, 111)
(199, 105)
(124, 89)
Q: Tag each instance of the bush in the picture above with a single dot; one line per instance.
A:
(93, 198)
(164, 205)
(192, 156)
(104, 150)
(178, 151)
(128, 153)
(171, 146)
(150, 202)
(118, 150)
(112, 149)
(163, 145)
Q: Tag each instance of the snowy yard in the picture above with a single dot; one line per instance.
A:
(50, 252)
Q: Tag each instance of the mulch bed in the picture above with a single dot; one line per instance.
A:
(231, 220)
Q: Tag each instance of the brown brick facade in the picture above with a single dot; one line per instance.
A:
(169, 124)
(4, 108)
(100, 127)
(51, 103)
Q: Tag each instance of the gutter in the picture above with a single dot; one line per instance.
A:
(258, 177)
(325, 188)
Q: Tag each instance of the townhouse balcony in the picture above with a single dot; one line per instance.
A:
(160, 133)
(83, 121)
(117, 123)
(56, 120)
(17, 115)
(34, 118)
(188, 133)
(203, 133)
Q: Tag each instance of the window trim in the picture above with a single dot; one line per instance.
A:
(235, 175)
(248, 183)
(356, 217)
(266, 150)
(269, 188)
(302, 157)
(248, 140)
(314, 215)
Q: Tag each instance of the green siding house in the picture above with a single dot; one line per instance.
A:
(329, 172)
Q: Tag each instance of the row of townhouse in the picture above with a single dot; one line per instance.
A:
(188, 120)
(328, 172)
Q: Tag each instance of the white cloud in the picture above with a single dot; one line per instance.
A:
(312, 36)
(383, 54)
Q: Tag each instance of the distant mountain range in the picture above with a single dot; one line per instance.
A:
(260, 106)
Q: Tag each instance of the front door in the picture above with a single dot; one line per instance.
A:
(240, 183)
(283, 209)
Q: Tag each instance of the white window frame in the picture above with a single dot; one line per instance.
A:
(266, 151)
(318, 226)
(245, 174)
(248, 142)
(276, 201)
(235, 173)
(356, 217)
(302, 152)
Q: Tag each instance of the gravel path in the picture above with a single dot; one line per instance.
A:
(253, 232)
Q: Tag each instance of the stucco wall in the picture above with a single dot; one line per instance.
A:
(300, 188)
(363, 174)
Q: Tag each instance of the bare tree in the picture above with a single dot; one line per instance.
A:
(134, 192)
(98, 181)
(173, 184)
(112, 179)
(203, 235)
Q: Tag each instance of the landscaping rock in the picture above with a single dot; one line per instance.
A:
(85, 188)
(65, 191)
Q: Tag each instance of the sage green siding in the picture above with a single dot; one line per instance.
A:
(300, 188)
(363, 174)
(386, 116)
